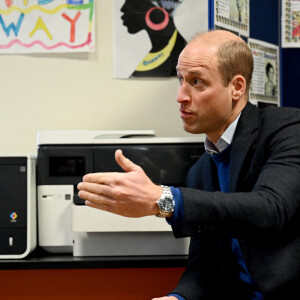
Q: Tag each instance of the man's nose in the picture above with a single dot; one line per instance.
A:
(183, 94)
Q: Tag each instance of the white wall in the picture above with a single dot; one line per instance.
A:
(77, 92)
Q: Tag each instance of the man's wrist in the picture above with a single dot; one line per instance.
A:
(155, 209)
(165, 203)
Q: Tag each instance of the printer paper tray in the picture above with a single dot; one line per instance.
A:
(99, 233)
(128, 244)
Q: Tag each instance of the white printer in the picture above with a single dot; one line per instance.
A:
(65, 224)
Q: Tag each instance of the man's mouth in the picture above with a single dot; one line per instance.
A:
(185, 114)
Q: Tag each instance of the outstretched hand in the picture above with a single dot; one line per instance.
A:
(130, 194)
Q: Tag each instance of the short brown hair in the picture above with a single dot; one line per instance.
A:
(234, 57)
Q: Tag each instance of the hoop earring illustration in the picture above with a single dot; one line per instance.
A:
(159, 26)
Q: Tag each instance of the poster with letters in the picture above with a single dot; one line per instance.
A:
(150, 34)
(32, 26)
(265, 86)
(233, 15)
(290, 23)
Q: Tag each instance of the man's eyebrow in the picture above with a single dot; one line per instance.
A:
(195, 70)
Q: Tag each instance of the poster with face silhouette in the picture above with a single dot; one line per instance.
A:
(265, 85)
(150, 34)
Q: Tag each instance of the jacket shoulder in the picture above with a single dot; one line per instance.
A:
(281, 115)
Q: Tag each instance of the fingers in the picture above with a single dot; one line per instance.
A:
(96, 200)
(94, 188)
(99, 178)
(126, 164)
(106, 177)
(95, 205)
(101, 205)
(93, 192)
(119, 193)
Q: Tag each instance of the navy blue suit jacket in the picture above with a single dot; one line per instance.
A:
(262, 210)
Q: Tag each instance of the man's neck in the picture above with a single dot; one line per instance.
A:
(216, 135)
(224, 140)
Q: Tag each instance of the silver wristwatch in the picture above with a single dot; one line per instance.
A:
(165, 203)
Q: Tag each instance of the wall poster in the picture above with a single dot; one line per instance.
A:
(265, 86)
(290, 23)
(150, 34)
(233, 15)
(31, 26)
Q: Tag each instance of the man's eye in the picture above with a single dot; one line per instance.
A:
(179, 79)
(197, 81)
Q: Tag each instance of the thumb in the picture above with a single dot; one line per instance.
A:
(126, 164)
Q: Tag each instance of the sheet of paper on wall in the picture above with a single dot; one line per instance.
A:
(33, 26)
(150, 34)
(233, 15)
(265, 86)
(290, 27)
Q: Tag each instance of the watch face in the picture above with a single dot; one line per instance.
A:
(166, 204)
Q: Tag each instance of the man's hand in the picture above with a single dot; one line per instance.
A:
(130, 194)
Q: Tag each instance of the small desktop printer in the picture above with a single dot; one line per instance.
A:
(66, 225)
(18, 235)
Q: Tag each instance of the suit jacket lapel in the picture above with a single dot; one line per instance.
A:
(244, 137)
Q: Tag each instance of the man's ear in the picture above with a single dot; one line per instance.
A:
(238, 87)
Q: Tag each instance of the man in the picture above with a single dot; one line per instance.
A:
(241, 204)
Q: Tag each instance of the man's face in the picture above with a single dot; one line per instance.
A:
(205, 103)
